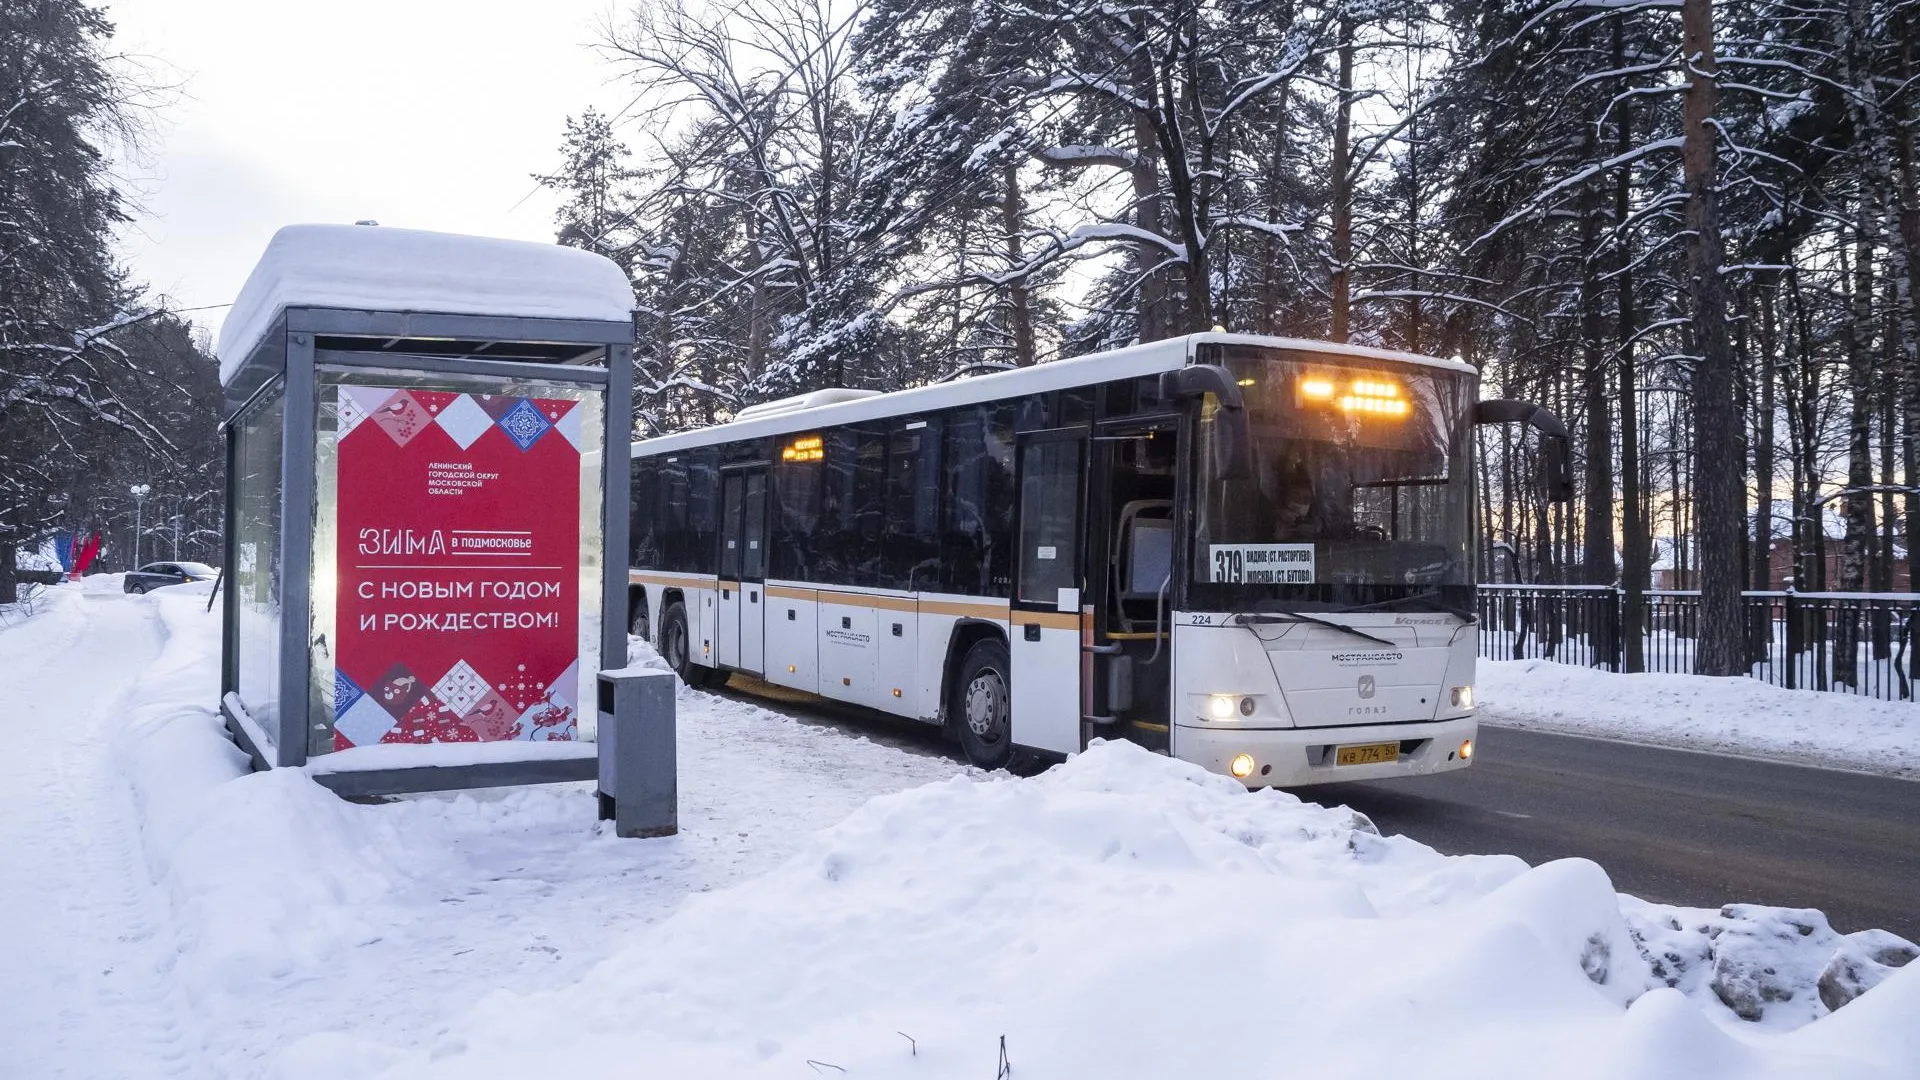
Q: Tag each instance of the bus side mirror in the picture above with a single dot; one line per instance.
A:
(1232, 442)
(1556, 457)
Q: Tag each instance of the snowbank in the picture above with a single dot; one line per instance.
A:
(1128, 916)
(380, 269)
(1722, 715)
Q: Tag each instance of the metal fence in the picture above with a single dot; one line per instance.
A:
(1852, 643)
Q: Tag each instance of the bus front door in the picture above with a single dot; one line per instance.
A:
(743, 569)
(1045, 632)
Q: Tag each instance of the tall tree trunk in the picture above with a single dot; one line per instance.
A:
(1596, 557)
(1342, 240)
(1888, 435)
(1907, 287)
(1810, 558)
(1763, 453)
(1634, 556)
(1019, 295)
(758, 318)
(1857, 503)
(1156, 315)
(1266, 316)
(1718, 491)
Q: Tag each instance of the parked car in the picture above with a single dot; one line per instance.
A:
(161, 574)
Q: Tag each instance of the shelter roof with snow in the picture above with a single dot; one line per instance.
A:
(418, 282)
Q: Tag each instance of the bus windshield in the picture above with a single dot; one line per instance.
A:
(1357, 491)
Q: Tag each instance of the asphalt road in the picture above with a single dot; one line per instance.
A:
(1672, 826)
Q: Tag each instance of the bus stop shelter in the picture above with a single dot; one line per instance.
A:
(425, 505)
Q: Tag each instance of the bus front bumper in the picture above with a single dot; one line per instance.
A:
(1296, 757)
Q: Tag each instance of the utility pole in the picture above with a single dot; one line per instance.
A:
(139, 492)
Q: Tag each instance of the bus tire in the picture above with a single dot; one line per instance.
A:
(982, 704)
(638, 624)
(676, 647)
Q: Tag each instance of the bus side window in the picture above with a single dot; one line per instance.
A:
(703, 510)
(977, 500)
(1074, 407)
(670, 514)
(641, 541)
(963, 497)
(1000, 495)
(913, 505)
(796, 517)
(853, 491)
(870, 511)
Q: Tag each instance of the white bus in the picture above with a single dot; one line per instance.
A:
(1251, 553)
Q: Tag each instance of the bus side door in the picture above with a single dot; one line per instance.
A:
(1045, 632)
(743, 569)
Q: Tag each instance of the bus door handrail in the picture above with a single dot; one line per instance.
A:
(1159, 610)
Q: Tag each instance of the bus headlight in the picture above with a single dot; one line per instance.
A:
(1224, 706)
(1463, 697)
(1241, 766)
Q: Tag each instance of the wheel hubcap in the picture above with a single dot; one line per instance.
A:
(987, 705)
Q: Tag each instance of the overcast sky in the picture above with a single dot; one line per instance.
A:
(418, 113)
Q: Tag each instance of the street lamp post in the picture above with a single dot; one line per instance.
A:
(139, 492)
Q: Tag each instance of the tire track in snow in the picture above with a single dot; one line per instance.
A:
(86, 967)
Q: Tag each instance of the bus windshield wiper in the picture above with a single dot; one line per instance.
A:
(1296, 617)
(1431, 598)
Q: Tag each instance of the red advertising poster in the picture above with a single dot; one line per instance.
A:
(458, 606)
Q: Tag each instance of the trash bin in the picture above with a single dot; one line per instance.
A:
(639, 779)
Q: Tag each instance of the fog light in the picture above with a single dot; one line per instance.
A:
(1246, 706)
(1463, 697)
(1241, 767)
(1222, 706)
(1466, 750)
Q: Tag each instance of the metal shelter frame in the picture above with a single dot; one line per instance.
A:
(587, 353)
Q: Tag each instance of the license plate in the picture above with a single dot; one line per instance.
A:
(1370, 754)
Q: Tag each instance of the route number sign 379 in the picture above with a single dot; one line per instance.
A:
(1261, 564)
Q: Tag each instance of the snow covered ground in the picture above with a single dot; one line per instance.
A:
(832, 907)
(1726, 715)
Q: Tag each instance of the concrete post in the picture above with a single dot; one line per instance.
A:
(639, 773)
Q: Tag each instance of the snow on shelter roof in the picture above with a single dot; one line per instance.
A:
(374, 268)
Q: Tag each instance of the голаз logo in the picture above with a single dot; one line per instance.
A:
(1366, 686)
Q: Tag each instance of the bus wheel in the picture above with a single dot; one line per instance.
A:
(637, 625)
(981, 705)
(676, 643)
(676, 648)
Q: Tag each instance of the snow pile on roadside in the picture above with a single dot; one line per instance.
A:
(1129, 916)
(1723, 715)
(1778, 967)
(293, 912)
(251, 860)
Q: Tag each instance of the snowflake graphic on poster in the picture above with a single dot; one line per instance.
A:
(524, 424)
